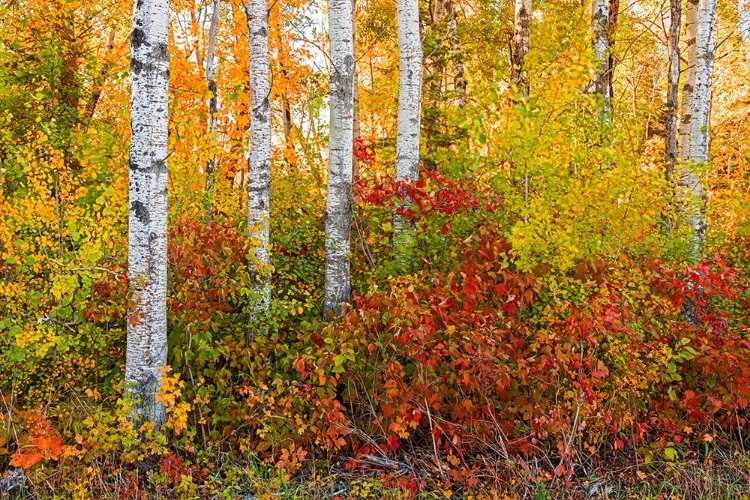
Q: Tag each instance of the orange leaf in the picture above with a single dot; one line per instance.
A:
(25, 460)
(49, 447)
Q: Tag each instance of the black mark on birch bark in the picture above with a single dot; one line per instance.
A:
(141, 212)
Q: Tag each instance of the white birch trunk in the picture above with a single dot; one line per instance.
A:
(147, 230)
(259, 163)
(356, 124)
(704, 68)
(601, 27)
(743, 6)
(673, 85)
(409, 112)
(521, 36)
(691, 25)
(339, 199)
(212, 107)
(690, 184)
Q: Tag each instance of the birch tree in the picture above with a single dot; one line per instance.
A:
(356, 122)
(696, 109)
(673, 46)
(521, 33)
(339, 198)
(147, 229)
(259, 161)
(409, 111)
(743, 7)
(601, 26)
(691, 26)
(213, 103)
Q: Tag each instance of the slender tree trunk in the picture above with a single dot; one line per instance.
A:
(614, 13)
(673, 45)
(602, 31)
(691, 27)
(519, 75)
(339, 199)
(288, 124)
(68, 89)
(444, 53)
(704, 67)
(521, 34)
(356, 125)
(212, 108)
(459, 78)
(409, 112)
(286, 108)
(96, 93)
(147, 231)
(286, 120)
(433, 83)
(196, 40)
(259, 164)
(690, 183)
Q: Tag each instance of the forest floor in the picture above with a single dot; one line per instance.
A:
(716, 476)
(707, 478)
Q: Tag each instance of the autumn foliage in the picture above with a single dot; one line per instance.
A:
(548, 324)
(472, 358)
